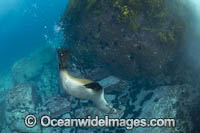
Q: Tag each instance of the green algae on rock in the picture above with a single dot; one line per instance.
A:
(133, 36)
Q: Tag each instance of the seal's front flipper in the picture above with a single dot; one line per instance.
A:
(94, 86)
(63, 57)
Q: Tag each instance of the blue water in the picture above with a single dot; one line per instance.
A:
(26, 25)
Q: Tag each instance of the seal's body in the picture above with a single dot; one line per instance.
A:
(75, 86)
(82, 88)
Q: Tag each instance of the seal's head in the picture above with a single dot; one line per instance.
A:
(63, 57)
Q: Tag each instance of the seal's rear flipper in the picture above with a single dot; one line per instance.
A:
(63, 57)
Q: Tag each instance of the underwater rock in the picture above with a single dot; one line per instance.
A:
(170, 102)
(22, 96)
(112, 83)
(130, 38)
(2, 112)
(48, 82)
(84, 112)
(52, 130)
(109, 81)
(58, 106)
(21, 101)
(97, 73)
(6, 130)
(85, 108)
(6, 82)
(41, 69)
(31, 66)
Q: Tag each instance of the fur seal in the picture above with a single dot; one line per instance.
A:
(82, 88)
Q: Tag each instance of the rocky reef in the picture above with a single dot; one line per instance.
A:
(133, 48)
(40, 94)
(132, 38)
(32, 87)
(138, 99)
(143, 43)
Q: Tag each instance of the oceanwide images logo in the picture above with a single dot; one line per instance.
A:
(47, 121)
(30, 121)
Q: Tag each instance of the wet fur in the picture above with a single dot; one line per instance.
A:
(81, 88)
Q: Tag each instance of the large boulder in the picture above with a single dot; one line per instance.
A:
(30, 67)
(131, 38)
(41, 69)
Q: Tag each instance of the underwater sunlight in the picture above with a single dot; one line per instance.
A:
(26, 25)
